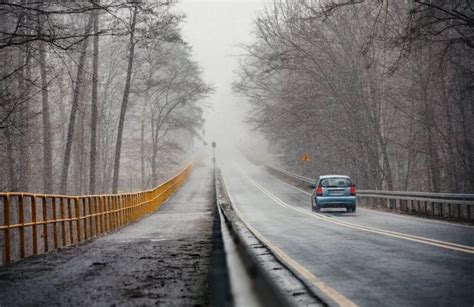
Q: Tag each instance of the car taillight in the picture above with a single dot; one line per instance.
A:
(353, 189)
(319, 191)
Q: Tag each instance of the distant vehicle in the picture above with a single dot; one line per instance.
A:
(333, 191)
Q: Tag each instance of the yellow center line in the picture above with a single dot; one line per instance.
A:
(438, 243)
(340, 299)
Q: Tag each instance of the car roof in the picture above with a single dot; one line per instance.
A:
(334, 176)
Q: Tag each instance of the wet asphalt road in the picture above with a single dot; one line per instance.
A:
(369, 268)
(162, 259)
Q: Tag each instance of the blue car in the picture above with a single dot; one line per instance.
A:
(333, 191)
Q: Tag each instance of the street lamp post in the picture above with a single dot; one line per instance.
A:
(214, 154)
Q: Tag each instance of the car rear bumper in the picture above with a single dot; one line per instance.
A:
(335, 202)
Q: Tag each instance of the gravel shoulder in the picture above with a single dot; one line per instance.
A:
(161, 259)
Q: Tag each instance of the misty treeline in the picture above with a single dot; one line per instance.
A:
(381, 90)
(96, 96)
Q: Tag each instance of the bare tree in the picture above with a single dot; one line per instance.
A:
(94, 101)
(368, 78)
(46, 105)
(47, 133)
(78, 87)
(126, 93)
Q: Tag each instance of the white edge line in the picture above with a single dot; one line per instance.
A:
(332, 293)
(388, 213)
(442, 244)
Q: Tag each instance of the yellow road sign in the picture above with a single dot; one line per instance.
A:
(305, 157)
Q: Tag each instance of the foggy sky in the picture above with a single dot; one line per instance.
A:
(214, 29)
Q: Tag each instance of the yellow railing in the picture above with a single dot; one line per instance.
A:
(35, 223)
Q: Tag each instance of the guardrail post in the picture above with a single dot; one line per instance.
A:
(45, 224)
(55, 224)
(119, 209)
(78, 219)
(63, 222)
(128, 206)
(109, 208)
(121, 213)
(106, 212)
(110, 213)
(96, 217)
(128, 217)
(85, 203)
(69, 214)
(22, 227)
(101, 215)
(34, 230)
(114, 211)
(127, 211)
(90, 223)
(6, 222)
(93, 216)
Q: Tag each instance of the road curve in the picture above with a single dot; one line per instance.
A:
(368, 258)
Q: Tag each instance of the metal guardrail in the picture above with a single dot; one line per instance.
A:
(302, 178)
(32, 224)
(436, 204)
(267, 292)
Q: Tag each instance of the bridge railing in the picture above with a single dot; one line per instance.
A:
(32, 224)
(451, 205)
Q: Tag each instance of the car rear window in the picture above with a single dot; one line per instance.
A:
(336, 182)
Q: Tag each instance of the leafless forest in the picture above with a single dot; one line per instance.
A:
(102, 96)
(96, 96)
(380, 89)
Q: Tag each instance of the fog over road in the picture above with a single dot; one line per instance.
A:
(370, 258)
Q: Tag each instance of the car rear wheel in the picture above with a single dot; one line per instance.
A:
(317, 209)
